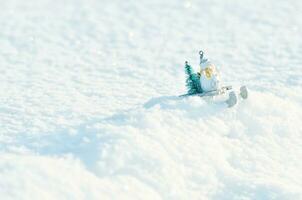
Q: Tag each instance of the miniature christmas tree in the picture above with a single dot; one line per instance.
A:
(193, 80)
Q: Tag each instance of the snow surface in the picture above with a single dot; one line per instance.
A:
(88, 107)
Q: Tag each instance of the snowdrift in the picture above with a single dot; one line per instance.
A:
(174, 149)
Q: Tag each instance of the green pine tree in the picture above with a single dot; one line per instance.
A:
(193, 80)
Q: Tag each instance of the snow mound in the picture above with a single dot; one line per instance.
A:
(187, 148)
(171, 148)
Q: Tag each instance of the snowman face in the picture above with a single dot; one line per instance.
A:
(209, 71)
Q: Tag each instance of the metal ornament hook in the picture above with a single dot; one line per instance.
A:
(201, 54)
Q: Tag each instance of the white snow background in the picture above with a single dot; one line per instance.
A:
(87, 108)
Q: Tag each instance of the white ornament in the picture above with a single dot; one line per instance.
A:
(209, 76)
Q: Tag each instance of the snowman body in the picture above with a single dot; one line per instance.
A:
(209, 76)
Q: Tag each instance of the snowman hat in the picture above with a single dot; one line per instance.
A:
(204, 62)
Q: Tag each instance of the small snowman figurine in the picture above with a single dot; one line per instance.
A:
(207, 82)
(209, 76)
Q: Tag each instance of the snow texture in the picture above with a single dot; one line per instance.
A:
(88, 107)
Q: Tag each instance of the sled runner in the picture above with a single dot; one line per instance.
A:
(232, 99)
